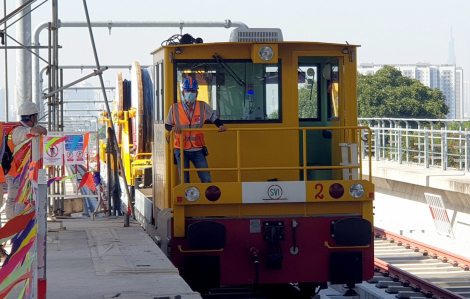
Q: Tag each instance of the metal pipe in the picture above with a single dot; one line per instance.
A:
(443, 149)
(49, 79)
(88, 87)
(399, 141)
(22, 47)
(61, 107)
(426, 147)
(95, 73)
(55, 55)
(83, 101)
(109, 24)
(6, 62)
(466, 151)
(83, 110)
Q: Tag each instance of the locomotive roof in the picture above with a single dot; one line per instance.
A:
(250, 43)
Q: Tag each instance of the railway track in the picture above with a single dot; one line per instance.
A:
(412, 269)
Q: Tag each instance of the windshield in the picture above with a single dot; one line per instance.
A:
(238, 91)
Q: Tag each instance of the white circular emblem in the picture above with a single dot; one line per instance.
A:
(274, 192)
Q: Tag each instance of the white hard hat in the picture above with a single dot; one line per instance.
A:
(28, 108)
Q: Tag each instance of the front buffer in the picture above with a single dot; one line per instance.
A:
(274, 250)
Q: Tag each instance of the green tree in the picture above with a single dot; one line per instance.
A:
(308, 103)
(389, 94)
(102, 132)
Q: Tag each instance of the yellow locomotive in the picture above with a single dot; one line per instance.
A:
(287, 202)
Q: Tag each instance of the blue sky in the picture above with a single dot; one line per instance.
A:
(389, 31)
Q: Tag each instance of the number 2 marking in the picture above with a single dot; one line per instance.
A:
(319, 194)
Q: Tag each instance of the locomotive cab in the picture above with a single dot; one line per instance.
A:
(287, 202)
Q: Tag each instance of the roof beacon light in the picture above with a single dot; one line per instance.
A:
(266, 53)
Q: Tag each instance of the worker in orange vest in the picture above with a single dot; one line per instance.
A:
(190, 114)
(28, 111)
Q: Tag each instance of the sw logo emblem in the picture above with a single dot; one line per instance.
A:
(275, 193)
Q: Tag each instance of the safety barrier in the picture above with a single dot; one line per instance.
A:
(24, 231)
(429, 142)
(27, 231)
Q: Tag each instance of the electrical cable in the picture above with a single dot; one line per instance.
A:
(147, 85)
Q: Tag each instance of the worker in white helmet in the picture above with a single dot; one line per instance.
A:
(28, 112)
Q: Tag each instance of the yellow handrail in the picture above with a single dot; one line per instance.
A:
(304, 130)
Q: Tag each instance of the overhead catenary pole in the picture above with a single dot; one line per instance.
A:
(113, 135)
(23, 57)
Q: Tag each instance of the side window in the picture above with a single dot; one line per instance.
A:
(158, 113)
(308, 90)
(162, 94)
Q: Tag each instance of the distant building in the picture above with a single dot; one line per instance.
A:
(452, 59)
(446, 77)
(466, 99)
(11, 109)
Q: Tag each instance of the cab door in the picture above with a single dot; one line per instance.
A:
(319, 105)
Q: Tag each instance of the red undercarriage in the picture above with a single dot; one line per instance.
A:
(310, 264)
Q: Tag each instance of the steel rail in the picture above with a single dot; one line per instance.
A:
(419, 284)
(443, 255)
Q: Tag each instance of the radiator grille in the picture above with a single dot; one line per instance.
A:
(256, 35)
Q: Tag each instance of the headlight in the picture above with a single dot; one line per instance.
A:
(266, 53)
(356, 190)
(192, 193)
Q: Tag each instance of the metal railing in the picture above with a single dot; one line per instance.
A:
(357, 134)
(440, 143)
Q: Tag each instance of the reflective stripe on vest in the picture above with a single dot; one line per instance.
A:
(191, 139)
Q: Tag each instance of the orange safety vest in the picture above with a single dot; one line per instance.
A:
(16, 163)
(2, 174)
(191, 139)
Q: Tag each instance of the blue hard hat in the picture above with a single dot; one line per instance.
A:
(190, 84)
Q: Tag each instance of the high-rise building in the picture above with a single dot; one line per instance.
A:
(446, 77)
(466, 99)
(452, 59)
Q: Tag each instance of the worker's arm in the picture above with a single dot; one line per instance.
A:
(170, 122)
(210, 115)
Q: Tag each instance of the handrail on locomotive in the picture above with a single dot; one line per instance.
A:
(359, 136)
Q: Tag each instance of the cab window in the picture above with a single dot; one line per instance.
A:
(308, 90)
(239, 91)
